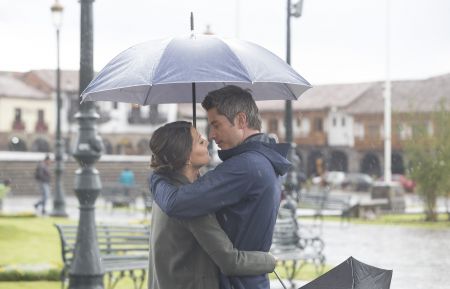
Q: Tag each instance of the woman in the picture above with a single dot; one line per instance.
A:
(187, 254)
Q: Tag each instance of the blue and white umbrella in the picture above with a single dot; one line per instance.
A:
(164, 71)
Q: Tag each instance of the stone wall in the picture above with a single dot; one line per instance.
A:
(19, 167)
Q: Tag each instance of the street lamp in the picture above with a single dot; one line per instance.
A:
(292, 11)
(59, 203)
(387, 105)
(86, 271)
(291, 177)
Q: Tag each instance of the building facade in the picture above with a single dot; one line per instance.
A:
(343, 125)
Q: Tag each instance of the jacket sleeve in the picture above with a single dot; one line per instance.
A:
(226, 185)
(218, 246)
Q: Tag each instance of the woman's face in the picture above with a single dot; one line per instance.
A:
(199, 154)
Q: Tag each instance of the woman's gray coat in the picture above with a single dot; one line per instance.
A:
(184, 253)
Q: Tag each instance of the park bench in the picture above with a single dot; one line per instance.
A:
(294, 250)
(118, 195)
(124, 251)
(321, 199)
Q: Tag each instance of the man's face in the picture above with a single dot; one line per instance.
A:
(225, 134)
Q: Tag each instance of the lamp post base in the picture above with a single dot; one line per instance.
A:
(85, 281)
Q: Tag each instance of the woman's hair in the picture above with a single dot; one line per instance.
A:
(171, 146)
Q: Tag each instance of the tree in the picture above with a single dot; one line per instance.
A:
(429, 154)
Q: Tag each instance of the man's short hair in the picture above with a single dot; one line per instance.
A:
(230, 100)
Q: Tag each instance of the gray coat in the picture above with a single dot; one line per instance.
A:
(184, 253)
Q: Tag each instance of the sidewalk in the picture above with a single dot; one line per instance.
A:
(103, 212)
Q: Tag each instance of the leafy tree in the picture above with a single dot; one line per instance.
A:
(429, 154)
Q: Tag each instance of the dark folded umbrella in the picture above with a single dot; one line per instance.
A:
(352, 274)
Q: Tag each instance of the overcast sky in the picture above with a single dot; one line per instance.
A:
(335, 41)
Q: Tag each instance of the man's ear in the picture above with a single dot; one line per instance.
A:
(241, 120)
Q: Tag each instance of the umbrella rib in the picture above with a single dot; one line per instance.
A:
(289, 89)
(148, 94)
(353, 274)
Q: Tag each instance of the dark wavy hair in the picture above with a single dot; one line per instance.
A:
(171, 146)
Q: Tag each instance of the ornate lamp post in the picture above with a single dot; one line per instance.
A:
(59, 203)
(87, 271)
(291, 178)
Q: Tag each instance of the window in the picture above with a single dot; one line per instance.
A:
(18, 123)
(41, 126)
(273, 125)
(334, 122)
(343, 121)
(318, 124)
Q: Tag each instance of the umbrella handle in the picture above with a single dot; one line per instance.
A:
(279, 279)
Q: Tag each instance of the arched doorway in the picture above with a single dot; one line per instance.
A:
(338, 161)
(40, 145)
(312, 161)
(17, 144)
(397, 165)
(370, 165)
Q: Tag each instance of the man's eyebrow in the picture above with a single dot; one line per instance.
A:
(213, 122)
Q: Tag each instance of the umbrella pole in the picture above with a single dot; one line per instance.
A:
(194, 107)
(279, 279)
(194, 103)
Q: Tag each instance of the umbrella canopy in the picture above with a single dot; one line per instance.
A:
(352, 274)
(163, 71)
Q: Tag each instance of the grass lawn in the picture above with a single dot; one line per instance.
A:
(124, 284)
(30, 240)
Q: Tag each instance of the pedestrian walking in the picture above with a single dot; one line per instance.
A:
(5, 188)
(43, 177)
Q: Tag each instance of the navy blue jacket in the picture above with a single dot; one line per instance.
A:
(244, 191)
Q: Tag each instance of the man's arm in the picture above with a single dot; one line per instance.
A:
(218, 246)
(226, 185)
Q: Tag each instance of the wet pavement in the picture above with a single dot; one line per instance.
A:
(419, 257)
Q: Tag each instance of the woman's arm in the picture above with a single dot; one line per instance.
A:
(218, 246)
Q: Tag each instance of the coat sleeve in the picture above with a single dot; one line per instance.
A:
(218, 246)
(226, 185)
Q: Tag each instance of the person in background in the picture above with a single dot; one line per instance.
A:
(5, 188)
(126, 177)
(42, 176)
(188, 254)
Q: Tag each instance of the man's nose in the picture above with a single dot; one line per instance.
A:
(211, 135)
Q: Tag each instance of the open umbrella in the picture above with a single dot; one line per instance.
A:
(352, 274)
(164, 71)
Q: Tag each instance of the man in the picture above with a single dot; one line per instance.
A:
(244, 190)
(5, 188)
(42, 176)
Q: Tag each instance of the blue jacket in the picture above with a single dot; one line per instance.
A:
(244, 191)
